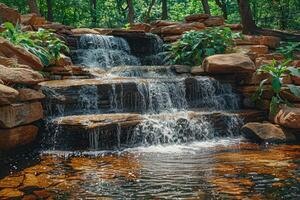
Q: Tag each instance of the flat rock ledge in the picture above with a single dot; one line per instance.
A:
(268, 132)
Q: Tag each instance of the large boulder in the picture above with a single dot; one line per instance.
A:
(270, 41)
(214, 21)
(81, 31)
(141, 26)
(12, 62)
(20, 114)
(26, 94)
(197, 17)
(161, 23)
(20, 75)
(288, 117)
(267, 132)
(24, 57)
(15, 137)
(181, 28)
(8, 14)
(7, 95)
(228, 63)
(28, 19)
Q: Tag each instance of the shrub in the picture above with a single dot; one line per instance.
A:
(43, 43)
(276, 72)
(194, 46)
(288, 49)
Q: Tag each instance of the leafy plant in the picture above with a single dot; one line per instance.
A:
(43, 43)
(288, 49)
(194, 46)
(276, 72)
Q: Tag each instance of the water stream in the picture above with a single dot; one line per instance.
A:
(184, 142)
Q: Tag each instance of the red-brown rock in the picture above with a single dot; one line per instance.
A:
(270, 41)
(28, 19)
(11, 193)
(181, 28)
(15, 137)
(161, 23)
(8, 14)
(8, 95)
(197, 17)
(267, 132)
(26, 94)
(141, 26)
(288, 117)
(228, 63)
(20, 75)
(214, 21)
(22, 55)
(80, 31)
(19, 114)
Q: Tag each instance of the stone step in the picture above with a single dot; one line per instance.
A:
(117, 131)
(113, 95)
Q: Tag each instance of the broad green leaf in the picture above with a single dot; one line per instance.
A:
(294, 71)
(276, 84)
(295, 90)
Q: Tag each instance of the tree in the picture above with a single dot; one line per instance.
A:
(249, 26)
(206, 7)
(164, 7)
(146, 20)
(49, 10)
(223, 6)
(33, 8)
(93, 10)
(131, 12)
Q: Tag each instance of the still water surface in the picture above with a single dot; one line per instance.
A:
(216, 169)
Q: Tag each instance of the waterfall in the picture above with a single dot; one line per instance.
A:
(103, 51)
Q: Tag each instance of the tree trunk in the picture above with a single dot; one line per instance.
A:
(205, 6)
(164, 7)
(130, 12)
(222, 5)
(146, 20)
(248, 23)
(33, 8)
(49, 11)
(93, 10)
(249, 26)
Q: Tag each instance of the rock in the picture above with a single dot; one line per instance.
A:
(11, 181)
(22, 55)
(228, 63)
(42, 194)
(181, 28)
(20, 75)
(12, 63)
(161, 23)
(10, 193)
(270, 41)
(141, 26)
(198, 71)
(26, 94)
(16, 137)
(258, 49)
(267, 132)
(214, 21)
(288, 117)
(81, 31)
(26, 28)
(8, 14)
(34, 182)
(172, 38)
(8, 95)
(234, 27)
(1, 82)
(103, 31)
(39, 21)
(197, 17)
(180, 69)
(63, 60)
(30, 197)
(28, 19)
(19, 114)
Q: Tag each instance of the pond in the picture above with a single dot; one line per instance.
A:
(215, 169)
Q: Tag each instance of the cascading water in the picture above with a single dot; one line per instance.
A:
(103, 52)
(164, 99)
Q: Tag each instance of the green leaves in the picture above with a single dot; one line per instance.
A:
(295, 90)
(288, 49)
(294, 71)
(276, 84)
(194, 46)
(43, 43)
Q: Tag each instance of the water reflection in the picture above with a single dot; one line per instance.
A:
(223, 169)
